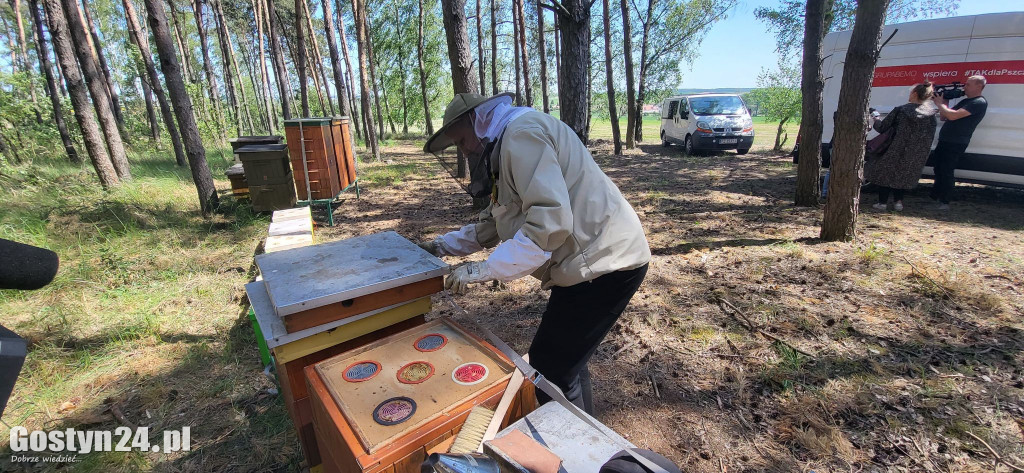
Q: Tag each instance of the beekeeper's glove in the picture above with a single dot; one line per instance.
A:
(463, 276)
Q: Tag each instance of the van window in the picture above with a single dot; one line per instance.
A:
(670, 111)
(683, 108)
(722, 105)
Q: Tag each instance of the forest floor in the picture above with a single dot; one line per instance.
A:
(751, 346)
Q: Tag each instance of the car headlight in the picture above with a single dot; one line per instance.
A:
(748, 123)
(703, 125)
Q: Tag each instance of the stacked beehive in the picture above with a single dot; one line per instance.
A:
(315, 302)
(325, 144)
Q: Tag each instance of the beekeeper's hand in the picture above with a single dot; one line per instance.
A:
(431, 247)
(460, 242)
(463, 276)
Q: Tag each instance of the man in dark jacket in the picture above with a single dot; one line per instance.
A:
(955, 135)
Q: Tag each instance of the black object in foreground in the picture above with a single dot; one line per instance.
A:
(12, 356)
(26, 267)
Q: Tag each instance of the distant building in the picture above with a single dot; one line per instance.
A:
(652, 109)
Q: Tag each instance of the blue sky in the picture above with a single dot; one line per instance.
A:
(737, 49)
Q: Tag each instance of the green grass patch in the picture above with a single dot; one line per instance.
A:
(144, 311)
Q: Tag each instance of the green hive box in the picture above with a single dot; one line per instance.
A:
(269, 176)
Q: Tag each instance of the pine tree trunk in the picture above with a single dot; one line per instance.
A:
(147, 95)
(516, 67)
(211, 79)
(840, 220)
(97, 88)
(229, 80)
(641, 90)
(401, 70)
(108, 79)
(574, 23)
(23, 45)
(387, 105)
(558, 46)
(373, 75)
(317, 58)
(543, 57)
(249, 59)
(186, 57)
(238, 74)
(454, 15)
(316, 85)
(613, 114)
(811, 86)
(201, 175)
(362, 42)
(51, 87)
(91, 135)
(627, 47)
(332, 50)
(261, 21)
(354, 108)
(527, 87)
(481, 59)
(453, 12)
(141, 40)
(60, 79)
(300, 58)
(12, 47)
(428, 125)
(494, 50)
(280, 71)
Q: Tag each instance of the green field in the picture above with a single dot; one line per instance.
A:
(764, 131)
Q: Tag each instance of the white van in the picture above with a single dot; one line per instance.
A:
(945, 51)
(707, 122)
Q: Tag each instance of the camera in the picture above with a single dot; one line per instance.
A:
(951, 91)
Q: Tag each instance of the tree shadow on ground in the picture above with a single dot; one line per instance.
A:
(212, 390)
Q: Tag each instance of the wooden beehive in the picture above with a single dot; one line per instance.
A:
(354, 440)
(291, 353)
(314, 137)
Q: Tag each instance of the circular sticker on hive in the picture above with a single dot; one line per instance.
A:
(361, 371)
(415, 372)
(431, 342)
(469, 373)
(394, 411)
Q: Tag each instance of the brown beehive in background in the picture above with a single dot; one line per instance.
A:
(313, 138)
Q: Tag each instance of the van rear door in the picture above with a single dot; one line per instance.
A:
(670, 119)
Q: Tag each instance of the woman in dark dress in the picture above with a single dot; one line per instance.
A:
(899, 168)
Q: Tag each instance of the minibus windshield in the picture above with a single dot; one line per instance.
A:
(723, 105)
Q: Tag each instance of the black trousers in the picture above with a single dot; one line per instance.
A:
(574, 323)
(884, 192)
(944, 160)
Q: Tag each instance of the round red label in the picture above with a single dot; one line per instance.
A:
(469, 373)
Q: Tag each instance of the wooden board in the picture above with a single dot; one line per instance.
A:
(338, 142)
(433, 396)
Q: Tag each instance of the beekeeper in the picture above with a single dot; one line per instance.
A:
(554, 215)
